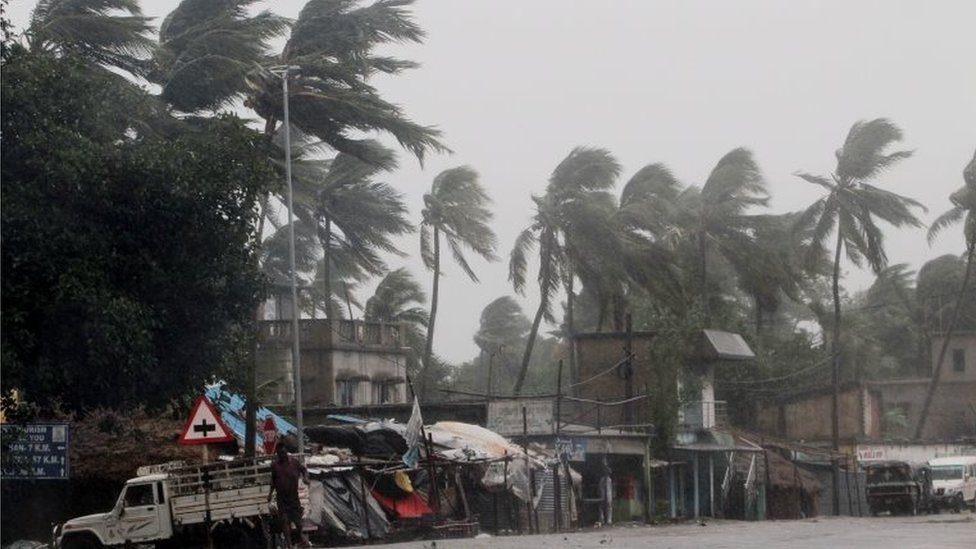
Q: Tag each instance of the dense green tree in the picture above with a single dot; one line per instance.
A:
(964, 210)
(571, 218)
(501, 332)
(457, 209)
(502, 323)
(850, 209)
(128, 266)
(937, 289)
(888, 335)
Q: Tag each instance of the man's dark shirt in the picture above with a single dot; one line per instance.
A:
(285, 478)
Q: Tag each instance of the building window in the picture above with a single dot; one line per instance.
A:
(385, 392)
(346, 392)
(959, 360)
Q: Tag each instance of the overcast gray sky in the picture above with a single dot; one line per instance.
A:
(516, 84)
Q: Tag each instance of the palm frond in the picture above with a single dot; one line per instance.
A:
(518, 259)
(651, 184)
(585, 169)
(863, 154)
(457, 205)
(735, 183)
(950, 217)
(106, 32)
(816, 180)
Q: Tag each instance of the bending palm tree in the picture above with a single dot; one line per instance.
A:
(719, 215)
(570, 219)
(356, 217)
(963, 209)
(851, 207)
(111, 33)
(456, 207)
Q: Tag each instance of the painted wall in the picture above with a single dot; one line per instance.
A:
(912, 452)
(808, 418)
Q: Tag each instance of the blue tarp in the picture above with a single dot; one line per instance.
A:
(231, 408)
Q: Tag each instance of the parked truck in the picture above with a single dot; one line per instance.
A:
(176, 505)
(954, 482)
(899, 487)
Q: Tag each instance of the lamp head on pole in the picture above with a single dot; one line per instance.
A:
(283, 71)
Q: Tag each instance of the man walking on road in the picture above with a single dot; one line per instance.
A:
(285, 473)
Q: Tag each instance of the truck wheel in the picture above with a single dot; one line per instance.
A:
(81, 542)
(957, 504)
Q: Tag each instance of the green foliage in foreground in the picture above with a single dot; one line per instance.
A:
(128, 272)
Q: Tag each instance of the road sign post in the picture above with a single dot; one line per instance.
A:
(204, 426)
(270, 435)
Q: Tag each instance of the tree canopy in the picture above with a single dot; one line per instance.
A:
(128, 269)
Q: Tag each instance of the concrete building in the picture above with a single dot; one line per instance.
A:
(344, 363)
(888, 409)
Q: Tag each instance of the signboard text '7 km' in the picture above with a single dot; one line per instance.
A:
(204, 425)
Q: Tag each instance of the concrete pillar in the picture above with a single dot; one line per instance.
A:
(694, 464)
(711, 484)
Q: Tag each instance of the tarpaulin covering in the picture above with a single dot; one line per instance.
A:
(466, 442)
(411, 506)
(338, 505)
(374, 441)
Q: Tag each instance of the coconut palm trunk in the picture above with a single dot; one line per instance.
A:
(570, 327)
(326, 238)
(835, 375)
(529, 344)
(435, 287)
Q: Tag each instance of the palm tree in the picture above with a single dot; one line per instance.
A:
(110, 33)
(356, 217)
(207, 50)
(719, 215)
(963, 209)
(332, 44)
(649, 222)
(398, 298)
(850, 208)
(571, 219)
(457, 208)
(773, 270)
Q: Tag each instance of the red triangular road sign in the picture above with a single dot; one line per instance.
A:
(204, 425)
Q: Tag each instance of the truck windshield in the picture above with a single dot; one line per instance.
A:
(947, 472)
(889, 473)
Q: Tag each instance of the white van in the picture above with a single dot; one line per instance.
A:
(954, 482)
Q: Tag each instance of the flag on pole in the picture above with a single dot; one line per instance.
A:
(413, 435)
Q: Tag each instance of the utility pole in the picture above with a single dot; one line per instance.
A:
(296, 358)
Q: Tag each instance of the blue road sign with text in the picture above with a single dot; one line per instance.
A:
(35, 451)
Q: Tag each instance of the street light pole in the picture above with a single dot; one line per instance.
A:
(296, 357)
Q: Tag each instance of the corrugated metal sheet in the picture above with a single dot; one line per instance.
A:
(231, 408)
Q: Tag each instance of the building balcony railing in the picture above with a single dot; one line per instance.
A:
(324, 333)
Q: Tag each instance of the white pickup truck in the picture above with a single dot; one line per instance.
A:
(175, 505)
